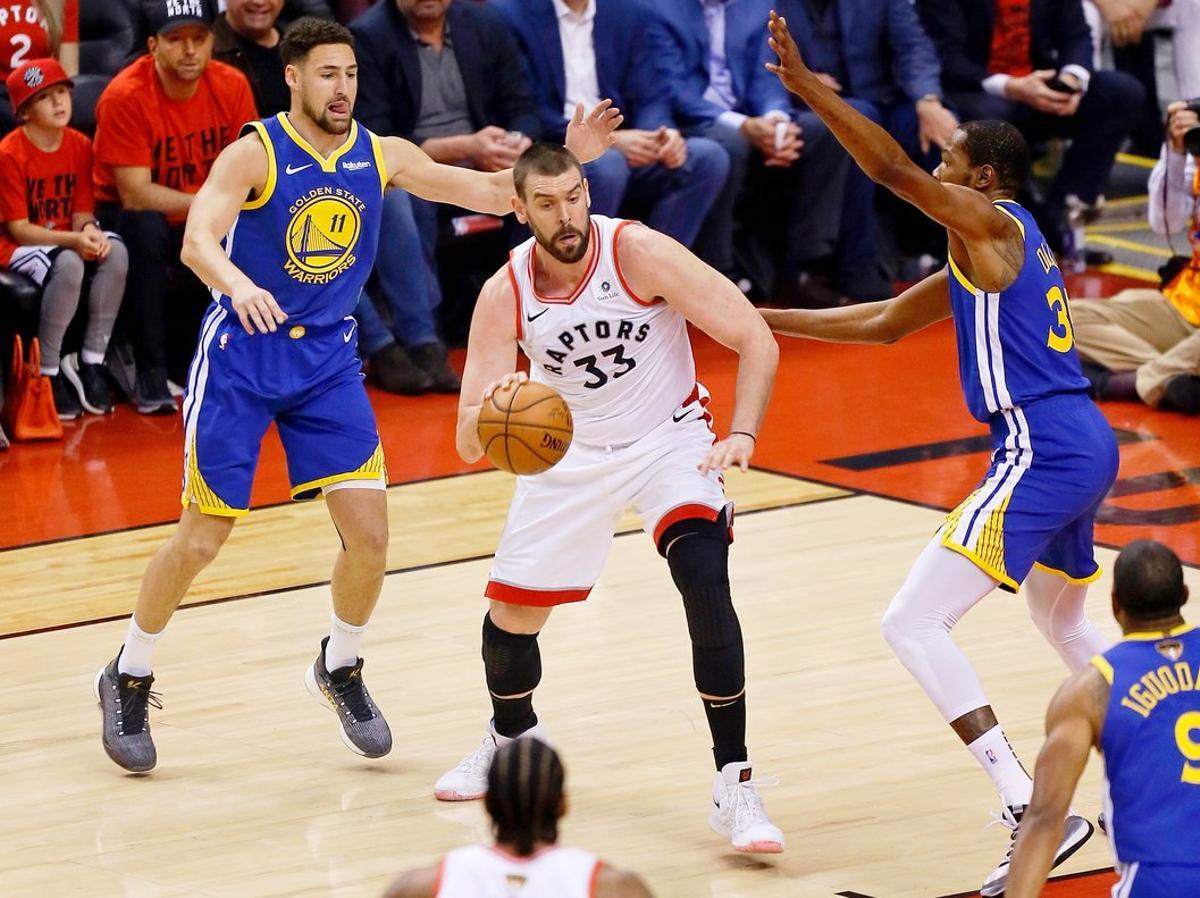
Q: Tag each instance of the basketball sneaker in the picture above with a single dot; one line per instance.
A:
(738, 813)
(343, 691)
(89, 382)
(124, 702)
(1078, 832)
(468, 781)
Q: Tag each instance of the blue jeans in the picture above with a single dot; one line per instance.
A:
(406, 276)
(677, 199)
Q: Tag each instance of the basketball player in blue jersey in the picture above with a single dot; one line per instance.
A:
(285, 232)
(1139, 705)
(1030, 521)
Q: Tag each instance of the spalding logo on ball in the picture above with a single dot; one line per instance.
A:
(525, 428)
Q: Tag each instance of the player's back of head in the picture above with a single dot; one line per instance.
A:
(1002, 146)
(1148, 580)
(309, 32)
(525, 794)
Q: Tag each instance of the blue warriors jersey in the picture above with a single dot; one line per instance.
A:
(1015, 346)
(1151, 746)
(310, 237)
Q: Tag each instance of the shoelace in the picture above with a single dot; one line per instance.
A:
(480, 760)
(136, 695)
(1008, 820)
(747, 803)
(353, 694)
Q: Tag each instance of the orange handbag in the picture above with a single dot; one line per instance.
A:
(29, 412)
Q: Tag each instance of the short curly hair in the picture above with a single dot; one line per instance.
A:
(1000, 145)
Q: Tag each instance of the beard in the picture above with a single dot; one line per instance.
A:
(321, 119)
(565, 254)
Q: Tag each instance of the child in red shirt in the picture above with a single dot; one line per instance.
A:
(50, 233)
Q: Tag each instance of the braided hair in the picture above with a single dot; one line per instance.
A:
(525, 794)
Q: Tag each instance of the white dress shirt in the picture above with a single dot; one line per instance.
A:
(579, 56)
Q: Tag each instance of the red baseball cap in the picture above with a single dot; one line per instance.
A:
(32, 77)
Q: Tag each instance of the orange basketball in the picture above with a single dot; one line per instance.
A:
(526, 428)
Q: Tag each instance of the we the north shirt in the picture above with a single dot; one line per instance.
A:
(43, 188)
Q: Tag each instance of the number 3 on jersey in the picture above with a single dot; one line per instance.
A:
(1059, 341)
(1189, 747)
(599, 378)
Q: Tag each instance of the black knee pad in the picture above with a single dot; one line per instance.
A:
(512, 662)
(698, 555)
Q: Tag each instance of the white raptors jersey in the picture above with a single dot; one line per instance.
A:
(480, 871)
(623, 363)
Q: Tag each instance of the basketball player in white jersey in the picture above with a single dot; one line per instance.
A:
(525, 800)
(601, 307)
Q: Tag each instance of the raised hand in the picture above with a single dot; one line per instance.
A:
(790, 68)
(589, 137)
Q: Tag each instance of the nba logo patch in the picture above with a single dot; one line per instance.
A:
(33, 76)
(224, 341)
(991, 756)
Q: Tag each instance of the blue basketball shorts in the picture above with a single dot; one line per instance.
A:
(1156, 881)
(1053, 463)
(305, 379)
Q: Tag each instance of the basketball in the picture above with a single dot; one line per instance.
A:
(525, 428)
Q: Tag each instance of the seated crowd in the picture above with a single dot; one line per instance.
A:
(714, 152)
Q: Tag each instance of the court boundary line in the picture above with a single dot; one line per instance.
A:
(429, 565)
(1099, 871)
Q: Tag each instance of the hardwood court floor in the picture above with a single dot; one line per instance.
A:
(256, 796)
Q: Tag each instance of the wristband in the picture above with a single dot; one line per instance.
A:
(745, 434)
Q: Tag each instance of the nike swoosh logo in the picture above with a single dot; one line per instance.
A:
(680, 417)
(346, 336)
(292, 171)
(722, 705)
(537, 316)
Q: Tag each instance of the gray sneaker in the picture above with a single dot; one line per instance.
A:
(343, 691)
(125, 703)
(1078, 831)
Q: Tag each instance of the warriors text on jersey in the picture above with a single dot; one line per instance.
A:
(477, 871)
(1151, 747)
(623, 363)
(1015, 346)
(310, 237)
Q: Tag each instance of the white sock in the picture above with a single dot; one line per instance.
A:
(91, 358)
(996, 757)
(138, 651)
(344, 642)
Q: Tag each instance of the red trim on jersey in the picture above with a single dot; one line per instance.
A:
(512, 279)
(705, 414)
(591, 269)
(617, 266)
(682, 513)
(536, 598)
(437, 879)
(594, 881)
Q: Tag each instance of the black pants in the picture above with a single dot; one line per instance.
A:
(164, 300)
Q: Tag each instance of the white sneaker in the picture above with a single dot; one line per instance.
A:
(1078, 831)
(738, 812)
(468, 781)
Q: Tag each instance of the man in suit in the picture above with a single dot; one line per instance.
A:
(447, 75)
(577, 51)
(1029, 62)
(712, 53)
(877, 56)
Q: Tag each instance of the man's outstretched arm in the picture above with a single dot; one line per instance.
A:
(967, 212)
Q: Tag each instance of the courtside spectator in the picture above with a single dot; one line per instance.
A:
(877, 56)
(51, 233)
(579, 51)
(36, 29)
(712, 53)
(447, 75)
(246, 36)
(1029, 62)
(1145, 344)
(160, 124)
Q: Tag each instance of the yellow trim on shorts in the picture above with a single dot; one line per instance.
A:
(374, 468)
(1106, 670)
(272, 170)
(1074, 581)
(377, 150)
(1005, 579)
(959, 276)
(197, 492)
